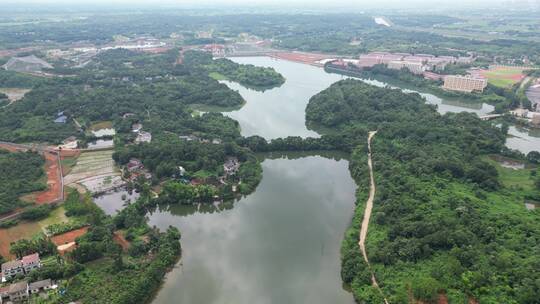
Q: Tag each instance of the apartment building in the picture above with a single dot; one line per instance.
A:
(371, 59)
(413, 67)
(464, 83)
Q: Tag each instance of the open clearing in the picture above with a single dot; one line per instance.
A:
(69, 236)
(95, 171)
(14, 94)
(504, 76)
(54, 190)
(25, 230)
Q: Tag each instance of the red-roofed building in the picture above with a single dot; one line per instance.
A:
(31, 262)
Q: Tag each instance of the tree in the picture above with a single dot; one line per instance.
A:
(534, 157)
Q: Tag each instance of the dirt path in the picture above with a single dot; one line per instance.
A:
(367, 216)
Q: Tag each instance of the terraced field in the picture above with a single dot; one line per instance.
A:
(95, 171)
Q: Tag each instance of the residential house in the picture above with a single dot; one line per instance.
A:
(143, 137)
(18, 292)
(11, 269)
(61, 119)
(134, 165)
(520, 112)
(231, 165)
(31, 262)
(136, 127)
(39, 286)
(69, 143)
(188, 137)
(24, 266)
(4, 293)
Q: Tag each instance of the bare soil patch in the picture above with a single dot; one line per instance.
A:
(69, 236)
(54, 182)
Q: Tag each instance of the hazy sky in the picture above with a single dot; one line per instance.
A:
(342, 5)
(355, 3)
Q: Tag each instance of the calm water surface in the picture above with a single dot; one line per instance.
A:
(278, 245)
(116, 200)
(281, 243)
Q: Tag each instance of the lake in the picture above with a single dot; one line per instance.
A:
(281, 243)
(278, 245)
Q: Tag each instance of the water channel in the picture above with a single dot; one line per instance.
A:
(281, 243)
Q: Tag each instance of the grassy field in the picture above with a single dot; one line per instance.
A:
(101, 125)
(514, 177)
(26, 230)
(217, 76)
(504, 76)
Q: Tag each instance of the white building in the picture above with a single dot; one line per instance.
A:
(413, 67)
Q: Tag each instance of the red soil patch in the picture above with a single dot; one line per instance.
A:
(443, 299)
(10, 148)
(121, 240)
(67, 153)
(68, 237)
(308, 58)
(5, 245)
(473, 301)
(517, 76)
(54, 182)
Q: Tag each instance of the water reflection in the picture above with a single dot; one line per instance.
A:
(274, 246)
(114, 201)
(523, 139)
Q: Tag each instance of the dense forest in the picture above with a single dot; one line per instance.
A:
(151, 88)
(201, 159)
(20, 173)
(248, 75)
(443, 222)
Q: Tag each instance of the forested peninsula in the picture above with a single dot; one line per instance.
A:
(444, 222)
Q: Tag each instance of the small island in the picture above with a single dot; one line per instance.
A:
(248, 75)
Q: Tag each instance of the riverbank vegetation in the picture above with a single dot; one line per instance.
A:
(248, 75)
(443, 221)
(201, 162)
(502, 98)
(20, 173)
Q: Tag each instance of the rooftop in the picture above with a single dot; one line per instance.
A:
(18, 287)
(10, 265)
(40, 284)
(30, 259)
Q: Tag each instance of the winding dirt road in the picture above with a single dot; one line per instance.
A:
(367, 215)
